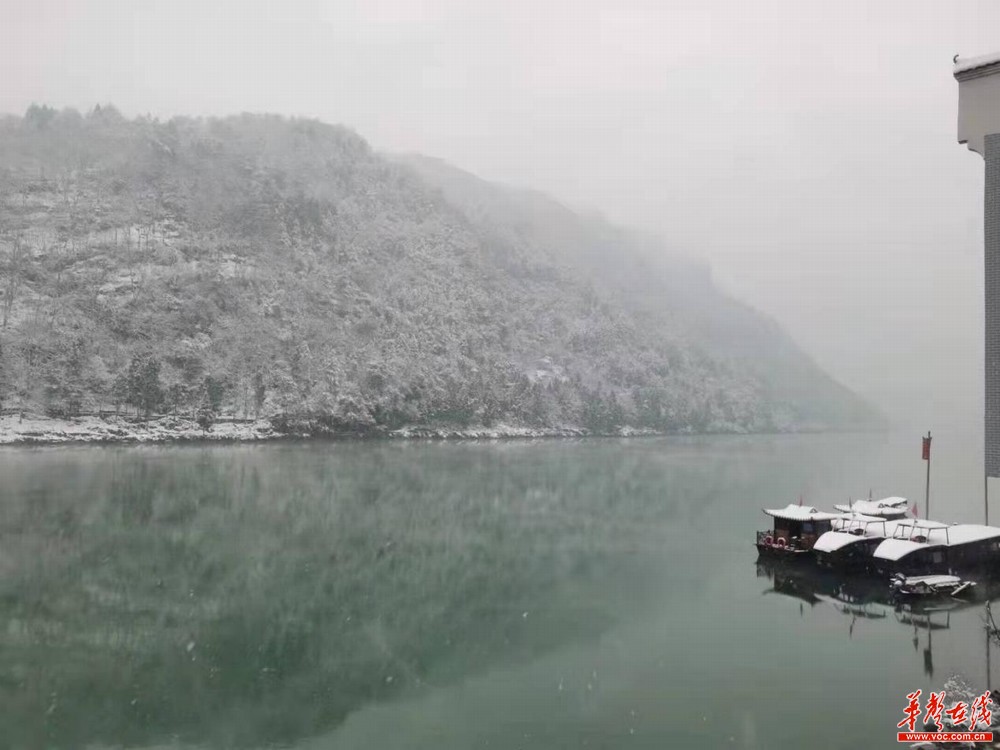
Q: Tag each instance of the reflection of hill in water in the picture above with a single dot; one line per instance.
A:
(237, 596)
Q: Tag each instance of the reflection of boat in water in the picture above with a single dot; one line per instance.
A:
(858, 610)
(865, 598)
(866, 610)
(868, 596)
(791, 586)
(815, 585)
(796, 529)
(927, 617)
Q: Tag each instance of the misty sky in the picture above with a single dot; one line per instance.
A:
(806, 149)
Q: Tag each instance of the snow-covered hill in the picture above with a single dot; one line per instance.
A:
(261, 267)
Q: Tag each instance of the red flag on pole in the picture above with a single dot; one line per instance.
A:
(927, 449)
(913, 510)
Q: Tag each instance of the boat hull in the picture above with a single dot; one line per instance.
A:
(787, 554)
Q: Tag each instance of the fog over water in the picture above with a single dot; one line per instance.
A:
(807, 151)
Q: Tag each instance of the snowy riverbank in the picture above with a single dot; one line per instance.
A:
(44, 430)
(49, 431)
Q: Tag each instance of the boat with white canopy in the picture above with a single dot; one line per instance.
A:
(796, 529)
(849, 545)
(924, 547)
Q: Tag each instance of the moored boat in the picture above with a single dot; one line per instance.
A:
(796, 529)
(928, 547)
(849, 545)
(915, 547)
(887, 507)
(930, 586)
(973, 546)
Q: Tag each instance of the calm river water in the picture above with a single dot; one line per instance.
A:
(535, 594)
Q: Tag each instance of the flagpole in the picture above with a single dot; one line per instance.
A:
(989, 676)
(927, 490)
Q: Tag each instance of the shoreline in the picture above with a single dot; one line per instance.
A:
(49, 431)
(90, 430)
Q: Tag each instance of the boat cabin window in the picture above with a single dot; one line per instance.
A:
(816, 527)
(803, 532)
(914, 533)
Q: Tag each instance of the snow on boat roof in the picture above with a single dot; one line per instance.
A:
(893, 549)
(831, 541)
(861, 518)
(964, 533)
(964, 65)
(932, 580)
(801, 513)
(890, 502)
(876, 507)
